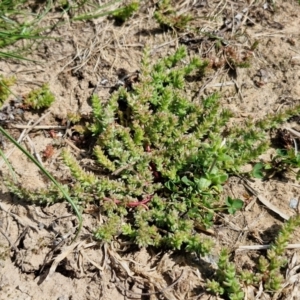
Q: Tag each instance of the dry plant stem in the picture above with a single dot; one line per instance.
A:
(73, 146)
(153, 51)
(86, 257)
(250, 205)
(295, 185)
(273, 34)
(208, 82)
(221, 84)
(292, 131)
(123, 168)
(18, 219)
(116, 260)
(24, 133)
(33, 150)
(265, 202)
(239, 90)
(217, 11)
(263, 247)
(132, 204)
(296, 147)
(154, 293)
(11, 151)
(246, 14)
(37, 121)
(6, 237)
(39, 127)
(61, 257)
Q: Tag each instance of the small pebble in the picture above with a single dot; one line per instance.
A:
(293, 203)
(41, 225)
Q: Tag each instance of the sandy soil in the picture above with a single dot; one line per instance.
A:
(36, 258)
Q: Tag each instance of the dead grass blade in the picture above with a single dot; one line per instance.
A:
(82, 252)
(263, 247)
(117, 260)
(61, 257)
(265, 202)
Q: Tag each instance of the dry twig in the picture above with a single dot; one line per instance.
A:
(264, 201)
(263, 247)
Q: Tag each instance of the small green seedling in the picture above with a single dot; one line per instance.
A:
(227, 282)
(257, 171)
(39, 98)
(287, 159)
(233, 205)
(283, 161)
(5, 84)
(167, 17)
(125, 12)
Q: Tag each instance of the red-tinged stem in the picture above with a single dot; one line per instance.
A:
(132, 204)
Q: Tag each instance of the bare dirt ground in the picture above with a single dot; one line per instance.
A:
(36, 258)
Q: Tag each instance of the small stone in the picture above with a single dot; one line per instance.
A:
(293, 203)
